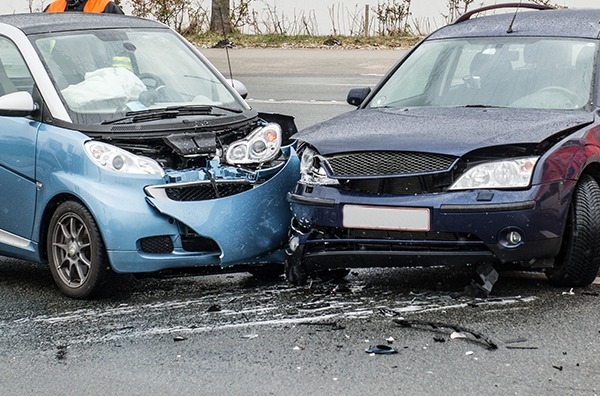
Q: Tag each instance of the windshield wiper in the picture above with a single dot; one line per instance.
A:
(133, 117)
(482, 106)
(202, 109)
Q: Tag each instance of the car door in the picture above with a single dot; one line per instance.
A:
(18, 136)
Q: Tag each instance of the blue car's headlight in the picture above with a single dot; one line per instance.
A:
(110, 157)
(511, 173)
(311, 171)
(262, 145)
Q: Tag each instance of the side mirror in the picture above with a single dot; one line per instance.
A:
(17, 104)
(239, 87)
(358, 95)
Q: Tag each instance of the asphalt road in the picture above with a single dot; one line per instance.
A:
(311, 85)
(232, 334)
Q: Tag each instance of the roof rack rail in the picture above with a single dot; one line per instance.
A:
(468, 15)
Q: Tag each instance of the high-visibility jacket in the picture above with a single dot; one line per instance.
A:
(96, 6)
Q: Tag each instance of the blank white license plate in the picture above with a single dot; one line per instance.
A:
(386, 218)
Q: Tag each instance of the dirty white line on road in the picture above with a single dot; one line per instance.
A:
(189, 330)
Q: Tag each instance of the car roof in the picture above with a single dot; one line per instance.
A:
(35, 23)
(570, 23)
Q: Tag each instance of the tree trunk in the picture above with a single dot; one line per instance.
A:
(220, 20)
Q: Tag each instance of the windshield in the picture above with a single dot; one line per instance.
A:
(493, 72)
(102, 75)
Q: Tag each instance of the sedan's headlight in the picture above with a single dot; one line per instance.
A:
(311, 171)
(511, 173)
(110, 157)
(262, 145)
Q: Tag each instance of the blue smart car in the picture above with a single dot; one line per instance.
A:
(123, 150)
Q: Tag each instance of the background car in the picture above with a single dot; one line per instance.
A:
(123, 150)
(481, 145)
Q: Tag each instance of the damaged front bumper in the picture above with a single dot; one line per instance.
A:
(220, 216)
(523, 226)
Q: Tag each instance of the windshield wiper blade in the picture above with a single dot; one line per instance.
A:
(202, 109)
(482, 106)
(133, 117)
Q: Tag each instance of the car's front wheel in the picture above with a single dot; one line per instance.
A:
(578, 261)
(76, 253)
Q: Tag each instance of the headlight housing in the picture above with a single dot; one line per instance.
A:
(262, 145)
(109, 157)
(511, 173)
(311, 171)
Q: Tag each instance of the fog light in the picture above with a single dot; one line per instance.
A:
(514, 238)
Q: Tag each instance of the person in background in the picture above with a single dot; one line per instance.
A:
(97, 6)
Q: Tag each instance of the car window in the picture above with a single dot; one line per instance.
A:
(104, 74)
(516, 72)
(14, 74)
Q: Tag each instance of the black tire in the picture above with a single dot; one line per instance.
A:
(76, 253)
(578, 261)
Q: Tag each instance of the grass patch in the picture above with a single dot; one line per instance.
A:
(209, 40)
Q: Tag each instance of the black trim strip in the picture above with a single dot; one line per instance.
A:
(503, 207)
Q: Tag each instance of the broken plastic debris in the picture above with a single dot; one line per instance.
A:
(569, 293)
(520, 347)
(518, 340)
(214, 308)
(436, 325)
(250, 336)
(515, 340)
(488, 276)
(390, 340)
(439, 339)
(469, 353)
(388, 312)
(455, 335)
(380, 349)
(179, 338)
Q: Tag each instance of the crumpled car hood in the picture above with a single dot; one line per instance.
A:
(451, 131)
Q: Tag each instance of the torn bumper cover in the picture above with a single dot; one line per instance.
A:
(455, 229)
(225, 217)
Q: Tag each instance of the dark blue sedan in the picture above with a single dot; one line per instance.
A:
(481, 145)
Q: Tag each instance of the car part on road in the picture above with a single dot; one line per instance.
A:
(438, 325)
(488, 276)
(381, 349)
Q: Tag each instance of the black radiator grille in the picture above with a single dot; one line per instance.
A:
(206, 191)
(387, 163)
(156, 244)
